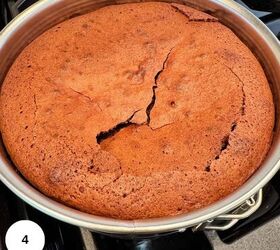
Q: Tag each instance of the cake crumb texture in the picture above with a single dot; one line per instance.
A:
(137, 111)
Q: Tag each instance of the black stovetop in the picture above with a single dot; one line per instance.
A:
(61, 236)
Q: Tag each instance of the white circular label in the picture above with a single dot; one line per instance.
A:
(25, 235)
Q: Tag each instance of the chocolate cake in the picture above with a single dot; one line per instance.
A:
(137, 111)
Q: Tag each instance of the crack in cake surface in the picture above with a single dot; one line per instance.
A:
(82, 94)
(153, 101)
(112, 131)
(86, 96)
(112, 181)
(225, 141)
(224, 145)
(189, 15)
(242, 109)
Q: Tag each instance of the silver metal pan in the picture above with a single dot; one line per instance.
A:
(220, 215)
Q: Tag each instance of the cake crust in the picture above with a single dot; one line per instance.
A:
(137, 111)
